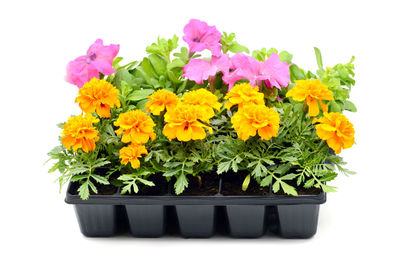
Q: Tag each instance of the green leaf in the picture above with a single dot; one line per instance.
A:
(309, 183)
(335, 106)
(271, 50)
(159, 64)
(319, 58)
(181, 183)
(266, 181)
(285, 56)
(172, 172)
(126, 188)
(246, 182)
(276, 186)
(296, 73)
(145, 182)
(328, 177)
(100, 179)
(142, 103)
(176, 63)
(83, 191)
(223, 167)
(288, 189)
(348, 105)
(140, 94)
(235, 47)
(328, 188)
(289, 176)
(77, 178)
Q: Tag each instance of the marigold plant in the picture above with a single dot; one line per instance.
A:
(131, 154)
(160, 101)
(135, 126)
(204, 99)
(271, 134)
(183, 123)
(243, 94)
(98, 96)
(313, 92)
(336, 129)
(79, 132)
(252, 119)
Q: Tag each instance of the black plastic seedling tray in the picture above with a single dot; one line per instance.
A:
(197, 216)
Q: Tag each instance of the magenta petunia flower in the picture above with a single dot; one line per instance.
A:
(99, 58)
(272, 72)
(199, 70)
(200, 36)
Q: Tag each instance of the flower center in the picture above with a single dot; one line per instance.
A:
(91, 57)
(196, 40)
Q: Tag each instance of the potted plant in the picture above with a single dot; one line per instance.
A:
(254, 138)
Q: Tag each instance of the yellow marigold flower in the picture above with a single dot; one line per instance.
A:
(206, 100)
(98, 96)
(161, 100)
(336, 129)
(253, 118)
(313, 91)
(79, 132)
(131, 154)
(183, 123)
(243, 94)
(135, 126)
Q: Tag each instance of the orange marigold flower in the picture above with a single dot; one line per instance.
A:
(253, 118)
(183, 123)
(131, 153)
(161, 100)
(79, 132)
(243, 94)
(135, 126)
(206, 100)
(336, 129)
(313, 91)
(98, 96)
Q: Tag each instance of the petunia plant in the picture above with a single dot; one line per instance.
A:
(179, 114)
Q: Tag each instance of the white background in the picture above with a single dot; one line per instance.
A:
(358, 225)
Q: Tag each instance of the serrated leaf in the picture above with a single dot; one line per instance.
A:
(223, 167)
(145, 182)
(83, 191)
(77, 178)
(328, 188)
(181, 183)
(78, 170)
(100, 179)
(309, 183)
(276, 186)
(288, 189)
(289, 176)
(172, 172)
(266, 181)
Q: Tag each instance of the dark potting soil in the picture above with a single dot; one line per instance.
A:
(232, 185)
(301, 190)
(160, 187)
(208, 186)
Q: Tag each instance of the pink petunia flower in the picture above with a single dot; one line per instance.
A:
(199, 70)
(272, 72)
(200, 36)
(99, 58)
